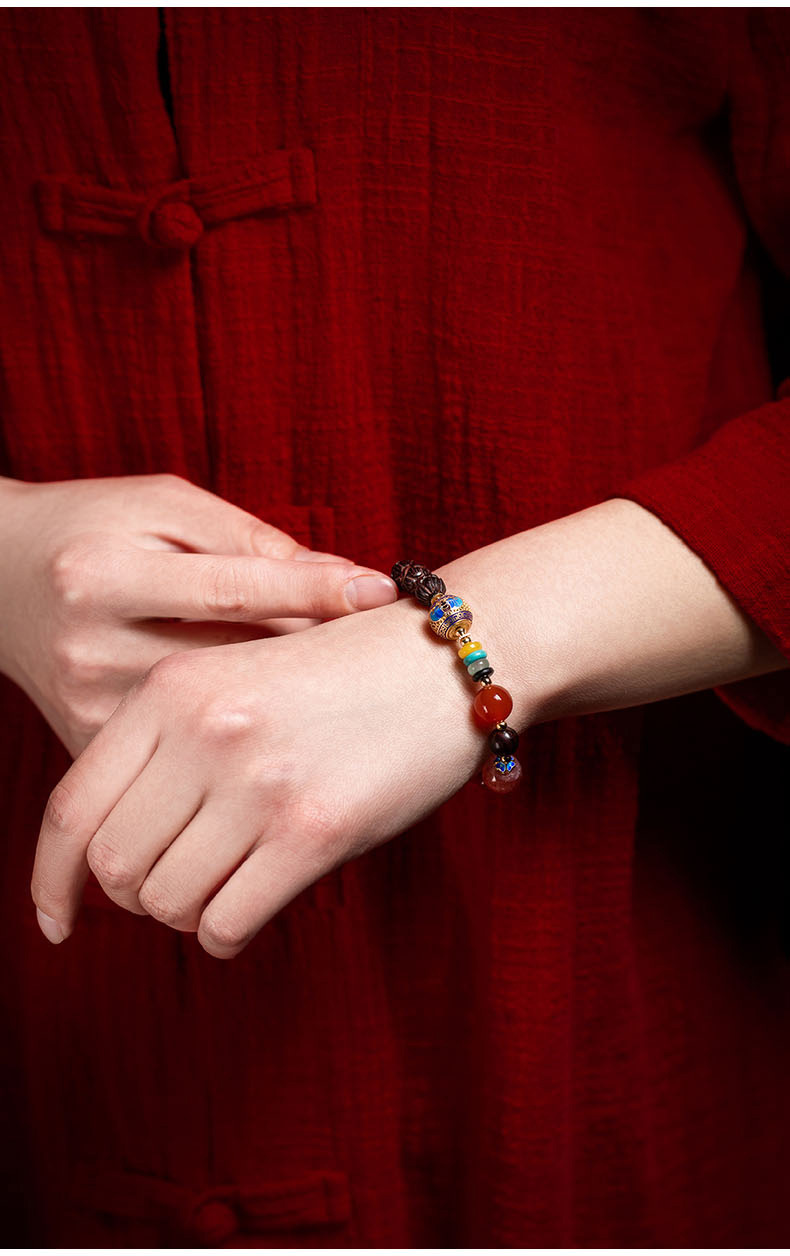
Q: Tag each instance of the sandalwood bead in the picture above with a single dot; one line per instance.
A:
(504, 741)
(491, 705)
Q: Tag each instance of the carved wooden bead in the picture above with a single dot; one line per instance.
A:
(427, 588)
(399, 571)
(414, 576)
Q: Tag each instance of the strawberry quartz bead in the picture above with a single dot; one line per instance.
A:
(492, 704)
(501, 774)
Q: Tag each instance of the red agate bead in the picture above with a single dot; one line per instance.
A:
(492, 704)
(501, 773)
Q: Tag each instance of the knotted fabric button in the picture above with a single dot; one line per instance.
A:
(168, 220)
(211, 1222)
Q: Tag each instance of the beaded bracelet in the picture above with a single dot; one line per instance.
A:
(450, 618)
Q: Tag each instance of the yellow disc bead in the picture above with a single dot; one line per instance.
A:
(467, 649)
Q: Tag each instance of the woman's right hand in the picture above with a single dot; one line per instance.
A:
(101, 578)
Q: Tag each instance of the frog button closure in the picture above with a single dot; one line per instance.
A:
(174, 215)
(168, 220)
(186, 1216)
(208, 1222)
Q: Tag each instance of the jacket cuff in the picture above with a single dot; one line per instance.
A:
(729, 501)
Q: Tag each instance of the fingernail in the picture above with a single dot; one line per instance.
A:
(49, 927)
(365, 592)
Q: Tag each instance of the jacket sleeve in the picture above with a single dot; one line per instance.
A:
(729, 498)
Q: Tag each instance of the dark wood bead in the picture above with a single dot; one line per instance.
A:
(504, 741)
(415, 574)
(428, 587)
(399, 571)
(417, 581)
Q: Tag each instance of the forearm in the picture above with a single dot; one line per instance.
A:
(603, 609)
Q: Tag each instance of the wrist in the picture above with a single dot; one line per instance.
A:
(604, 609)
(435, 692)
(493, 582)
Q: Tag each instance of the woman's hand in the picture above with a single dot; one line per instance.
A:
(229, 780)
(95, 575)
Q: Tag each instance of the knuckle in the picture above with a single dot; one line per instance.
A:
(260, 538)
(315, 588)
(226, 591)
(324, 590)
(224, 722)
(160, 904)
(110, 867)
(222, 932)
(169, 671)
(75, 660)
(72, 574)
(61, 813)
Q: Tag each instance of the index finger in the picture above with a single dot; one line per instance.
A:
(75, 810)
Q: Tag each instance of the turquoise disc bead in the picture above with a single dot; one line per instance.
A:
(476, 654)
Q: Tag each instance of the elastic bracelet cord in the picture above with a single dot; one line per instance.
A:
(450, 618)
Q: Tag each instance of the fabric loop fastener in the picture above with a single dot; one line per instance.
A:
(174, 215)
(218, 1214)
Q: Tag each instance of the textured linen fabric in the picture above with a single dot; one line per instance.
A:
(427, 277)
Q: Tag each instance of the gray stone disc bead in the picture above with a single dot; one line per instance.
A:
(479, 665)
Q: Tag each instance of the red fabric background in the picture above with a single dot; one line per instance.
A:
(462, 271)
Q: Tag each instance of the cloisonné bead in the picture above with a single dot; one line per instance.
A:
(468, 647)
(491, 705)
(449, 616)
(501, 774)
(503, 741)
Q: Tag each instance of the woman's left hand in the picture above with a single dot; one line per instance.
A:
(230, 778)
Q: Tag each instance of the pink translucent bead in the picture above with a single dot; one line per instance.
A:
(501, 782)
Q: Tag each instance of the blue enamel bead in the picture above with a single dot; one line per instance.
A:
(503, 765)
